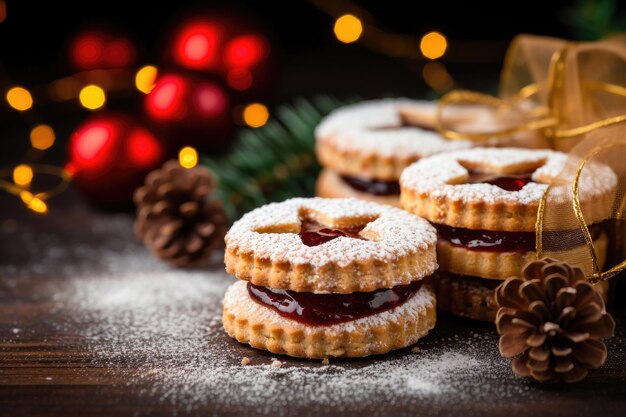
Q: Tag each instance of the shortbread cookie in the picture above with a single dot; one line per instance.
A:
(464, 259)
(376, 139)
(332, 185)
(484, 204)
(465, 296)
(498, 188)
(263, 326)
(330, 246)
(474, 297)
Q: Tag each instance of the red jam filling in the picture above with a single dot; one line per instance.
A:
(373, 187)
(315, 234)
(511, 182)
(498, 241)
(328, 309)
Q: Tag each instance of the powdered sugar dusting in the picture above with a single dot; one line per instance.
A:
(358, 128)
(444, 176)
(392, 233)
(157, 331)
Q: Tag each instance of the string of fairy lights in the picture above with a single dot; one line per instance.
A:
(355, 24)
(352, 24)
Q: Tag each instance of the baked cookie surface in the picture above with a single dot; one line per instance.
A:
(386, 247)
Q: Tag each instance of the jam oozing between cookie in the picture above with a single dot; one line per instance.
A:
(510, 182)
(373, 187)
(313, 233)
(499, 241)
(328, 309)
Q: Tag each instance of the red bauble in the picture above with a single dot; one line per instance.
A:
(224, 46)
(191, 110)
(101, 49)
(109, 156)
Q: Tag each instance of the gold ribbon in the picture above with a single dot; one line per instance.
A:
(552, 71)
(548, 118)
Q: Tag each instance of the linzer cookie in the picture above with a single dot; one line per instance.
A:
(364, 147)
(484, 204)
(329, 277)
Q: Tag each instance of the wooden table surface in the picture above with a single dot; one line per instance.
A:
(57, 357)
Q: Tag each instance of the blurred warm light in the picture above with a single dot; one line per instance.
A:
(210, 100)
(245, 51)
(92, 97)
(98, 49)
(93, 143)
(146, 78)
(239, 78)
(101, 141)
(143, 147)
(348, 28)
(33, 202)
(188, 157)
(197, 45)
(64, 89)
(42, 137)
(165, 101)
(3, 11)
(437, 77)
(433, 45)
(19, 98)
(255, 114)
(22, 175)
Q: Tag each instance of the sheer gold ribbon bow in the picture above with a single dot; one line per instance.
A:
(573, 95)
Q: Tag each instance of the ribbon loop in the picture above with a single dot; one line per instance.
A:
(573, 95)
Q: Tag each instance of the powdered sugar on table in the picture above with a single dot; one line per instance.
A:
(159, 330)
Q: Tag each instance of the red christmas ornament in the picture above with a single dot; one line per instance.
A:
(191, 110)
(224, 46)
(109, 156)
(101, 49)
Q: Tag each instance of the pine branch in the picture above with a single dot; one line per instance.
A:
(274, 162)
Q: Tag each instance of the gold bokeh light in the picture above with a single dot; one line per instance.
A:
(433, 45)
(188, 157)
(348, 28)
(19, 98)
(145, 78)
(256, 114)
(92, 97)
(22, 175)
(42, 137)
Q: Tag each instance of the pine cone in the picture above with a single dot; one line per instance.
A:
(175, 217)
(550, 321)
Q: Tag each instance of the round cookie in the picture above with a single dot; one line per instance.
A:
(377, 139)
(330, 185)
(263, 328)
(484, 204)
(390, 246)
(439, 188)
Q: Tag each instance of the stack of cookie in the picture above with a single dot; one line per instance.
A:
(484, 203)
(329, 278)
(364, 147)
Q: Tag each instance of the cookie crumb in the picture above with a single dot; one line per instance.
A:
(415, 349)
(276, 363)
(245, 361)
(325, 361)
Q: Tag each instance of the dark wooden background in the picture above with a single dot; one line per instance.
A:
(47, 373)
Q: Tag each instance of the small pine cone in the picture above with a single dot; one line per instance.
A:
(175, 217)
(551, 321)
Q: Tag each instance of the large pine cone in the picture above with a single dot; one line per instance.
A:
(176, 218)
(550, 321)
